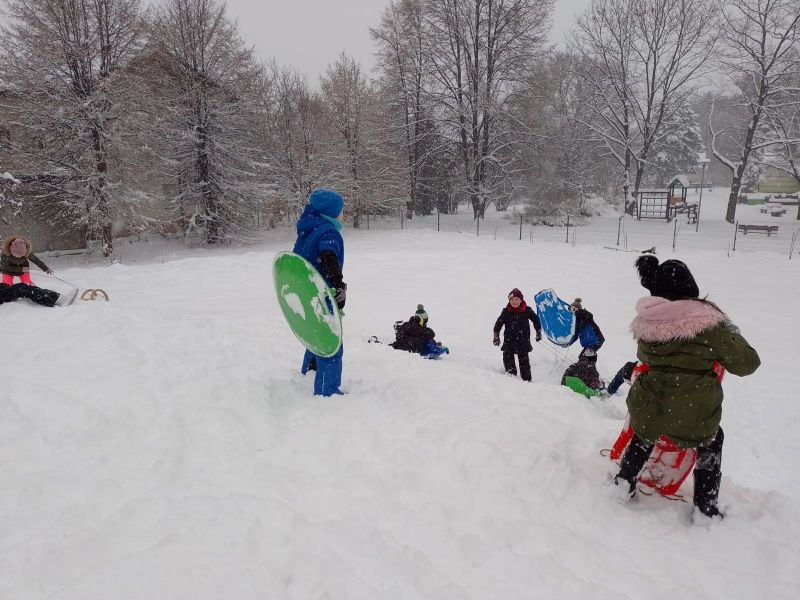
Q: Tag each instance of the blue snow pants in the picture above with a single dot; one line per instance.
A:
(328, 378)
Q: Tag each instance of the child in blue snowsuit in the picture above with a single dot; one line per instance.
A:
(586, 330)
(320, 242)
(623, 375)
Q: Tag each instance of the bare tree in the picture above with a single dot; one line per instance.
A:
(205, 87)
(480, 52)
(295, 127)
(641, 58)
(758, 37)
(344, 91)
(402, 58)
(66, 60)
(604, 42)
(564, 160)
(782, 118)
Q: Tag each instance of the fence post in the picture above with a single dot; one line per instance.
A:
(478, 226)
(401, 218)
(520, 227)
(495, 233)
(438, 222)
(567, 240)
(367, 219)
(619, 229)
(735, 232)
(675, 235)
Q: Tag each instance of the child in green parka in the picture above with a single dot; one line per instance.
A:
(685, 344)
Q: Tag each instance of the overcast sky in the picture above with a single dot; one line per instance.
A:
(309, 34)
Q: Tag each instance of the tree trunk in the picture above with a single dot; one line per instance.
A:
(100, 201)
(736, 184)
(210, 207)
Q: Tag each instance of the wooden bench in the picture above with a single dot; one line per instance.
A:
(768, 229)
(777, 212)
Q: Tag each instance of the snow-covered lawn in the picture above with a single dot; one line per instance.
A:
(165, 446)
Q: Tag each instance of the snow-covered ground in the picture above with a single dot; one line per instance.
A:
(164, 445)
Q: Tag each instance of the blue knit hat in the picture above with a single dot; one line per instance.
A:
(327, 202)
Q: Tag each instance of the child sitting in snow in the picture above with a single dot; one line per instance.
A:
(516, 318)
(585, 370)
(415, 336)
(586, 330)
(15, 259)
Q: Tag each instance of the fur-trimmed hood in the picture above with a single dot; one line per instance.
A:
(660, 320)
(10, 240)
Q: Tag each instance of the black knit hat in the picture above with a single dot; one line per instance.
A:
(671, 279)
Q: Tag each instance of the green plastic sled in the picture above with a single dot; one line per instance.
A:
(307, 304)
(576, 385)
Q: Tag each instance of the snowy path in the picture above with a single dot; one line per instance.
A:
(164, 445)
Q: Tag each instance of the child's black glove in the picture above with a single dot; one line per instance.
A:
(538, 336)
(341, 296)
(496, 340)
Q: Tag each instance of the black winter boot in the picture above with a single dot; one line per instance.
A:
(39, 295)
(632, 463)
(707, 476)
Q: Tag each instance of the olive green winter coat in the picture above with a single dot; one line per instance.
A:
(681, 395)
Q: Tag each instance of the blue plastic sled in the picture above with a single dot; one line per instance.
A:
(558, 321)
(433, 350)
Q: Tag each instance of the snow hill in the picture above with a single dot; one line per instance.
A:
(164, 445)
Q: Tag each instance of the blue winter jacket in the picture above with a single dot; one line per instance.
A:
(316, 235)
(587, 331)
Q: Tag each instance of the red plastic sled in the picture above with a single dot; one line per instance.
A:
(668, 466)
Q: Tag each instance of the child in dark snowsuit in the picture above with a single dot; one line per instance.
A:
(15, 259)
(623, 375)
(685, 344)
(415, 336)
(585, 370)
(320, 242)
(586, 330)
(516, 317)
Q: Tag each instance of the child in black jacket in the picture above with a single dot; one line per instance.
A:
(517, 339)
(413, 335)
(585, 370)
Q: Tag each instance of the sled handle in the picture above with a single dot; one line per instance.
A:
(94, 293)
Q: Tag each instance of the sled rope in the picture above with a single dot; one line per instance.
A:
(560, 357)
(51, 276)
(650, 492)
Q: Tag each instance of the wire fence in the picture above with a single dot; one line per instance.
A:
(780, 237)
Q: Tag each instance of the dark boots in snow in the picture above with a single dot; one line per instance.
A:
(707, 476)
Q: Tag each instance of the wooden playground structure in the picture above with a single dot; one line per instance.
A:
(666, 203)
